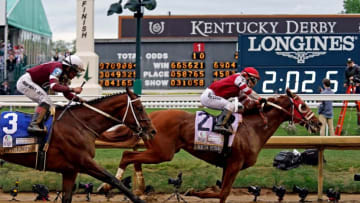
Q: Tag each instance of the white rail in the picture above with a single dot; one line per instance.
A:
(176, 101)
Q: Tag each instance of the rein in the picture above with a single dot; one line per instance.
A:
(129, 106)
(304, 119)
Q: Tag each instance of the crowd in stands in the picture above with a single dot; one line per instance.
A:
(15, 59)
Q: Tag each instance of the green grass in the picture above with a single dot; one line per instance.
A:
(339, 169)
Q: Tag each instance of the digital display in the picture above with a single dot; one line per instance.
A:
(166, 65)
(299, 62)
(306, 80)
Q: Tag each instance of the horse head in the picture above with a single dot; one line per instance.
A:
(297, 111)
(138, 115)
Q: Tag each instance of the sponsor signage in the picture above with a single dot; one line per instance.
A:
(232, 26)
(298, 61)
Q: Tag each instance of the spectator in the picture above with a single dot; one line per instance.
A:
(11, 65)
(352, 75)
(5, 88)
(326, 110)
(56, 57)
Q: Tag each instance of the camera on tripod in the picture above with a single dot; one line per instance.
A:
(42, 191)
(176, 182)
(303, 192)
(88, 189)
(333, 195)
(254, 190)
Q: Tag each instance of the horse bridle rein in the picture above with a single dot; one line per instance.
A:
(138, 129)
(305, 119)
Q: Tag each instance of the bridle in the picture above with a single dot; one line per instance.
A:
(297, 114)
(138, 130)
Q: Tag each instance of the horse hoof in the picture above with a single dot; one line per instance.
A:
(140, 201)
(189, 192)
(103, 189)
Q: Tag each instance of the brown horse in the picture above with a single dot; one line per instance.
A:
(72, 147)
(175, 131)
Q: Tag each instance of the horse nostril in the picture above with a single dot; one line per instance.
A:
(153, 132)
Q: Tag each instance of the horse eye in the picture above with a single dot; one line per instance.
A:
(302, 107)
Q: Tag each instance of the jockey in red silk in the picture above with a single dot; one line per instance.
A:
(56, 76)
(237, 85)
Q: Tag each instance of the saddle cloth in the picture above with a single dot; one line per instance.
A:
(14, 137)
(205, 138)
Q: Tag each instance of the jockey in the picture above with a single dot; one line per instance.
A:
(56, 76)
(237, 85)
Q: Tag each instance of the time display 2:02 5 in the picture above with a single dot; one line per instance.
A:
(299, 80)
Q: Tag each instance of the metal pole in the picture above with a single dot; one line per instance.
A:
(5, 43)
(138, 84)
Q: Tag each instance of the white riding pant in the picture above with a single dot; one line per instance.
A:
(210, 100)
(26, 86)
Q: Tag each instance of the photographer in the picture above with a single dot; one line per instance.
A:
(352, 75)
(325, 110)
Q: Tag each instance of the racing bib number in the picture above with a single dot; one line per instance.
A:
(12, 121)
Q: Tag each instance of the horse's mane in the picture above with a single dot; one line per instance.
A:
(93, 101)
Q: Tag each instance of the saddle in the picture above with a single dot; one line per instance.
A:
(14, 138)
(206, 139)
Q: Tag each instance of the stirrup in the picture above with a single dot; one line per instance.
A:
(36, 130)
(222, 130)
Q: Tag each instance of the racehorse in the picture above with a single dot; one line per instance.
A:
(175, 131)
(72, 146)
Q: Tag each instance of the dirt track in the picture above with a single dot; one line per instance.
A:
(237, 196)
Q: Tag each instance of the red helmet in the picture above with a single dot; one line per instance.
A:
(251, 72)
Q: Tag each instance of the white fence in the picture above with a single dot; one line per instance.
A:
(176, 101)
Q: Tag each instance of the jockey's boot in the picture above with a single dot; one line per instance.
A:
(36, 125)
(221, 123)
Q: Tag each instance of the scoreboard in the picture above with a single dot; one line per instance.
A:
(189, 64)
(190, 52)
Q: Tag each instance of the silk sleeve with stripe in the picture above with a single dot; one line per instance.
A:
(240, 81)
(54, 81)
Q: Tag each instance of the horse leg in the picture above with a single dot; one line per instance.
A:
(139, 180)
(148, 156)
(68, 185)
(93, 169)
(229, 175)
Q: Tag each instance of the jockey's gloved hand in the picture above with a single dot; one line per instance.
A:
(262, 100)
(79, 99)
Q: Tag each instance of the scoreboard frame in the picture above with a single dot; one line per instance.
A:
(166, 64)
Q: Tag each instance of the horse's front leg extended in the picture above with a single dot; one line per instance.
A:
(68, 185)
(148, 156)
(229, 175)
(93, 169)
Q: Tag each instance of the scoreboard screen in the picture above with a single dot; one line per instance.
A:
(167, 64)
(299, 62)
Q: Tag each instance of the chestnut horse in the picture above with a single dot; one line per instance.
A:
(72, 147)
(175, 131)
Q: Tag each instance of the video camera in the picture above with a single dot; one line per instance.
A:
(42, 191)
(254, 190)
(303, 192)
(279, 191)
(176, 182)
(333, 195)
(87, 186)
(88, 189)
